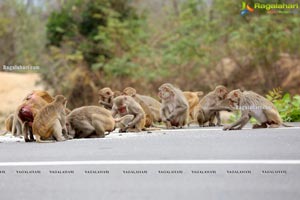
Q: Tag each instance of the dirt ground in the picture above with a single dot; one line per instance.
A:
(13, 89)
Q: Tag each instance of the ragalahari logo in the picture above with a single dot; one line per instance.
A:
(246, 9)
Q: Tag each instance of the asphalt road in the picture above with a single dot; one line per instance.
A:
(194, 163)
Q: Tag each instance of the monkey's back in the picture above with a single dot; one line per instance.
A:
(44, 121)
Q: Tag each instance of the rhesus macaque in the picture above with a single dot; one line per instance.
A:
(149, 116)
(254, 105)
(193, 99)
(210, 105)
(26, 112)
(89, 122)
(150, 102)
(50, 121)
(126, 105)
(175, 108)
(106, 96)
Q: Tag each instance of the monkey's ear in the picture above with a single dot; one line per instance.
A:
(108, 93)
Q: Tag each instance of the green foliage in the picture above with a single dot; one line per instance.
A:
(287, 105)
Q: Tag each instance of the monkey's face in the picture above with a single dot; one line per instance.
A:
(221, 92)
(165, 93)
(121, 105)
(234, 99)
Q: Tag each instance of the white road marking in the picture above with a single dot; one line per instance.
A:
(150, 162)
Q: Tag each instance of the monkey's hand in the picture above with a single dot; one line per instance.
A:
(170, 117)
(227, 127)
(129, 125)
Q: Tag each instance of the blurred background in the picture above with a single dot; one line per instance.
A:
(84, 45)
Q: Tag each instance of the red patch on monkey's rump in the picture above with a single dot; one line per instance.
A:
(174, 123)
(25, 114)
(122, 109)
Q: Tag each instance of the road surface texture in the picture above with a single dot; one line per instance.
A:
(192, 163)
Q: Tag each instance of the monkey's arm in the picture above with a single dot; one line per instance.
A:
(105, 103)
(177, 111)
(220, 108)
(242, 122)
(114, 111)
(135, 120)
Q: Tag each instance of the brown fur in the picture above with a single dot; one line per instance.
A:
(89, 121)
(153, 105)
(193, 99)
(106, 96)
(50, 121)
(126, 105)
(254, 105)
(175, 108)
(32, 103)
(208, 104)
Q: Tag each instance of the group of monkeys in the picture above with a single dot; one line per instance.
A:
(43, 118)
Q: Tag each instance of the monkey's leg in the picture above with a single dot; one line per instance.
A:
(218, 116)
(274, 125)
(212, 117)
(97, 123)
(242, 121)
(31, 135)
(25, 132)
(86, 129)
(57, 131)
(263, 125)
(39, 140)
(133, 130)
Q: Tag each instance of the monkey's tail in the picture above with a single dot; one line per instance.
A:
(286, 125)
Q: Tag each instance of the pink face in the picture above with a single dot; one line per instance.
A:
(222, 92)
(234, 98)
(165, 93)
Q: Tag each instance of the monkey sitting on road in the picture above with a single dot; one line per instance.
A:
(126, 105)
(254, 105)
(211, 105)
(150, 105)
(50, 121)
(175, 108)
(193, 99)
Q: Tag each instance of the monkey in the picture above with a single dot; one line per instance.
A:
(106, 95)
(253, 105)
(8, 125)
(210, 105)
(125, 105)
(145, 107)
(175, 108)
(89, 121)
(27, 111)
(152, 104)
(193, 99)
(50, 121)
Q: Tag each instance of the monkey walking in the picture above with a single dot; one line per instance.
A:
(253, 105)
